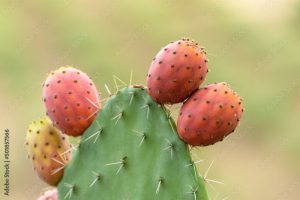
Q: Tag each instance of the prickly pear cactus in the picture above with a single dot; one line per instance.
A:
(131, 151)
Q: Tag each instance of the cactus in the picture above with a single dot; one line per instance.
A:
(209, 115)
(46, 147)
(131, 151)
(49, 195)
(176, 71)
(71, 100)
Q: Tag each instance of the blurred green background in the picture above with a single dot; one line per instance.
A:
(252, 44)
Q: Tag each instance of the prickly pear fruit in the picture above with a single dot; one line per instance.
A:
(176, 71)
(209, 115)
(71, 100)
(47, 148)
(49, 195)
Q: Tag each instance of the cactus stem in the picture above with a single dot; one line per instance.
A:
(160, 180)
(141, 134)
(148, 109)
(171, 147)
(131, 98)
(122, 163)
(96, 179)
(118, 117)
(97, 133)
(71, 190)
(194, 192)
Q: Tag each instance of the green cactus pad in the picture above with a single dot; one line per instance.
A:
(131, 151)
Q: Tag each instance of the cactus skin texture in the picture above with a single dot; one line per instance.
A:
(49, 195)
(176, 71)
(131, 151)
(45, 144)
(71, 100)
(209, 115)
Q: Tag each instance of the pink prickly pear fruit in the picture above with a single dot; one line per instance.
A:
(48, 149)
(71, 100)
(176, 71)
(49, 195)
(209, 115)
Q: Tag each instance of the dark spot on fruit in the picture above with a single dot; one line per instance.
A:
(201, 78)
(226, 92)
(44, 99)
(153, 59)
(78, 72)
(215, 90)
(237, 119)
(243, 110)
(26, 143)
(59, 81)
(217, 122)
(174, 52)
(37, 132)
(149, 89)
(59, 146)
(29, 130)
(160, 62)
(55, 155)
(195, 99)
(188, 67)
(220, 106)
(78, 104)
(63, 138)
(67, 119)
(165, 49)
(42, 168)
(57, 123)
(63, 71)
(33, 158)
(158, 78)
(179, 42)
(149, 75)
(70, 92)
(205, 88)
(208, 102)
(88, 92)
(47, 143)
(204, 118)
(206, 60)
(207, 71)
(185, 55)
(197, 54)
(53, 110)
(47, 85)
(174, 80)
(172, 66)
(55, 96)
(51, 133)
(231, 106)
(89, 107)
(91, 84)
(65, 107)
(199, 67)
(189, 116)
(229, 123)
(75, 81)
(190, 81)
(180, 113)
(45, 157)
(35, 145)
(240, 103)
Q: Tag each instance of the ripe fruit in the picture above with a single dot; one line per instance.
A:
(71, 100)
(46, 147)
(209, 115)
(176, 71)
(49, 195)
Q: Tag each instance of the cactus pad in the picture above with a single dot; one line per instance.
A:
(131, 151)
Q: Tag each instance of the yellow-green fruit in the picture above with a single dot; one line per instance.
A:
(47, 148)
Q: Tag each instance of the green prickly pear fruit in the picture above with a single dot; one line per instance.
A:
(48, 148)
(71, 100)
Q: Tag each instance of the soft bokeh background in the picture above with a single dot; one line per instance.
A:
(252, 44)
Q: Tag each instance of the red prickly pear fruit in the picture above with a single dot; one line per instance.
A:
(209, 115)
(48, 149)
(49, 195)
(71, 100)
(176, 71)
